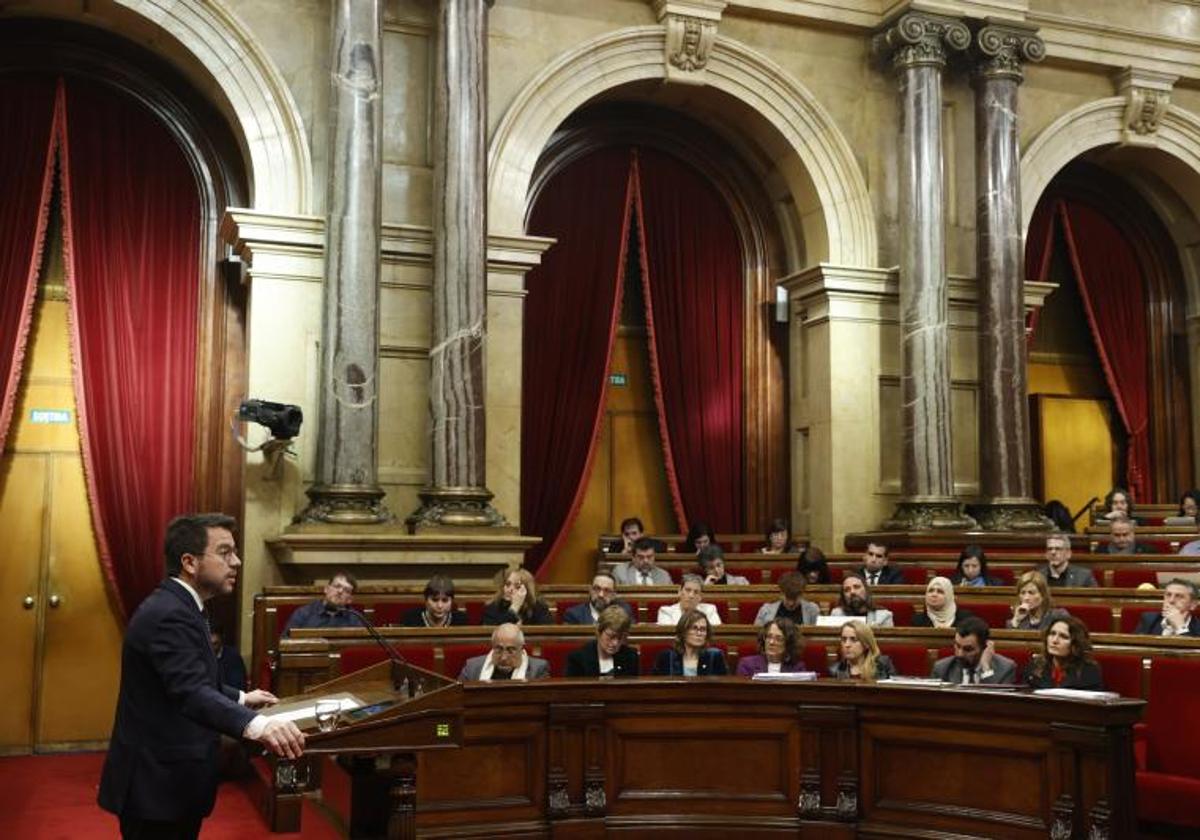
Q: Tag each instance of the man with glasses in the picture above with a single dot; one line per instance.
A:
(160, 774)
(1058, 570)
(604, 595)
(507, 659)
(332, 610)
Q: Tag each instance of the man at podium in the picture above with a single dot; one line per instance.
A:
(160, 776)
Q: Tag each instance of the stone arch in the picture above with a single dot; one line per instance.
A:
(221, 57)
(824, 179)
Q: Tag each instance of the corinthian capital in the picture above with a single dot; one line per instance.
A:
(921, 39)
(1001, 49)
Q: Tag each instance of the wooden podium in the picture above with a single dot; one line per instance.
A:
(401, 710)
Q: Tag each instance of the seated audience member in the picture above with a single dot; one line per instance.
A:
(1060, 515)
(875, 570)
(712, 567)
(229, 662)
(1189, 503)
(607, 655)
(859, 657)
(1058, 570)
(516, 601)
(1175, 618)
(1034, 608)
(813, 566)
(856, 600)
(641, 569)
(603, 596)
(507, 659)
(699, 536)
(1117, 503)
(778, 650)
(333, 610)
(439, 607)
(692, 654)
(691, 595)
(941, 610)
(632, 530)
(972, 569)
(792, 605)
(1066, 659)
(975, 660)
(1123, 535)
(779, 538)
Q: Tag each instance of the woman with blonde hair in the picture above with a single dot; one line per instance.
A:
(859, 657)
(516, 601)
(940, 607)
(1034, 608)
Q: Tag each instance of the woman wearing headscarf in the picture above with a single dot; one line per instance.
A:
(940, 607)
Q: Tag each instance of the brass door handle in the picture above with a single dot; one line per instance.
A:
(55, 601)
(27, 603)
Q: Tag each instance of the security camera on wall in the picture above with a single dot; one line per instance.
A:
(281, 420)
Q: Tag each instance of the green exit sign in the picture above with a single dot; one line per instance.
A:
(618, 380)
(443, 730)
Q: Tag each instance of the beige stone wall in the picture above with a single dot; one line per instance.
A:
(265, 64)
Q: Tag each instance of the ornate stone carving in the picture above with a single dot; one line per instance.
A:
(595, 801)
(847, 800)
(1019, 516)
(809, 804)
(691, 30)
(1003, 49)
(1063, 818)
(917, 38)
(291, 776)
(1099, 818)
(558, 802)
(349, 504)
(456, 507)
(1147, 96)
(927, 516)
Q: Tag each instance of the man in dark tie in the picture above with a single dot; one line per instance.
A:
(875, 570)
(975, 661)
(160, 775)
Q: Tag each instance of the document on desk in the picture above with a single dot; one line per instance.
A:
(922, 681)
(1077, 694)
(781, 676)
(307, 708)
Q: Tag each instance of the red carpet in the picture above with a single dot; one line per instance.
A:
(54, 796)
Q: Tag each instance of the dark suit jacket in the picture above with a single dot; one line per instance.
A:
(670, 663)
(585, 662)
(582, 613)
(950, 669)
(171, 709)
(416, 618)
(499, 612)
(1073, 576)
(888, 576)
(1151, 624)
(1087, 677)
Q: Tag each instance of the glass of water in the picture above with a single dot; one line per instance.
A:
(327, 714)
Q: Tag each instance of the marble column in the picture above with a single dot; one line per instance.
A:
(1006, 478)
(457, 495)
(346, 488)
(917, 44)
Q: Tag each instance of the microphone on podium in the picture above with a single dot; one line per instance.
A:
(399, 663)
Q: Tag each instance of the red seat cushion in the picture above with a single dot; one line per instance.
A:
(816, 658)
(1097, 617)
(361, 656)
(556, 654)
(910, 660)
(282, 613)
(995, 614)
(649, 651)
(474, 610)
(1173, 739)
(1163, 798)
(1019, 655)
(1122, 674)
(389, 612)
(902, 611)
(1005, 576)
(913, 575)
(723, 609)
(455, 656)
(748, 610)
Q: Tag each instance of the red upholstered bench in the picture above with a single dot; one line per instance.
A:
(1122, 674)
(816, 658)
(391, 611)
(648, 652)
(902, 611)
(361, 656)
(1097, 617)
(474, 610)
(1019, 655)
(1168, 746)
(456, 656)
(1133, 578)
(556, 654)
(910, 661)
(996, 615)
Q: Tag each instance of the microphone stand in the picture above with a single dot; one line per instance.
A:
(399, 663)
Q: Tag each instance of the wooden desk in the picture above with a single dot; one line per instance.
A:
(718, 757)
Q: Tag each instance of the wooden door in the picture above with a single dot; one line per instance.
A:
(67, 643)
(628, 473)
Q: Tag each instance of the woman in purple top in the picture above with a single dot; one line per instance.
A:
(778, 650)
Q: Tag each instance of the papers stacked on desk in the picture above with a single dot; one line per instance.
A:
(780, 676)
(1077, 694)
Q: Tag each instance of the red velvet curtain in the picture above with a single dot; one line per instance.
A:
(1039, 242)
(27, 105)
(1114, 298)
(571, 315)
(693, 279)
(132, 228)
